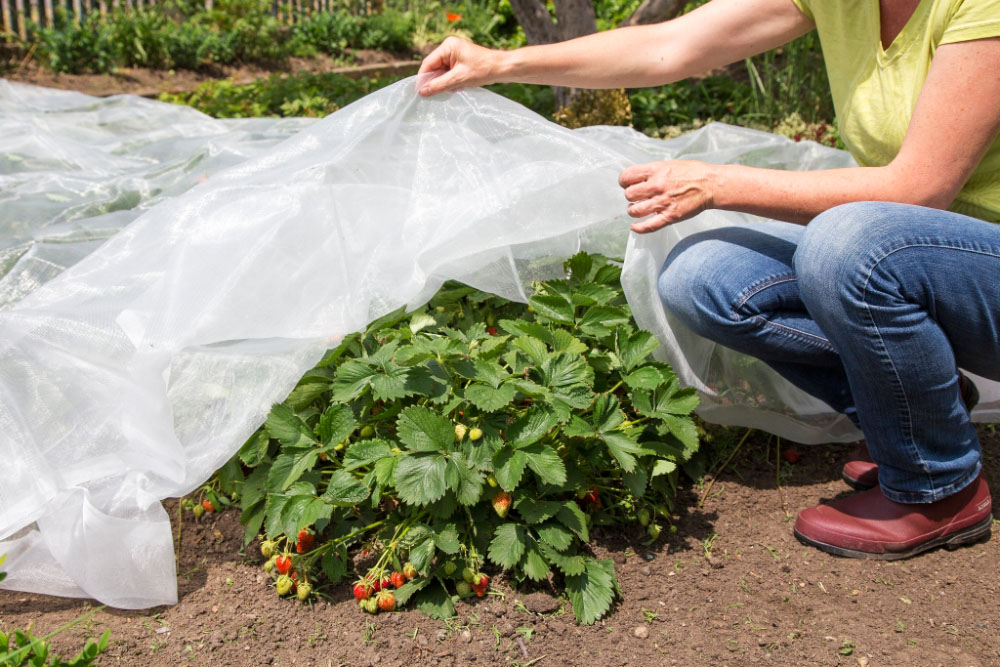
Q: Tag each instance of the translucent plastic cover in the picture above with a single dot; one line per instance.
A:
(165, 277)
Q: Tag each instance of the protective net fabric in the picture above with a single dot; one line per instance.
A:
(165, 277)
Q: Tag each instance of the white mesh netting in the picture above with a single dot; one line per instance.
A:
(165, 277)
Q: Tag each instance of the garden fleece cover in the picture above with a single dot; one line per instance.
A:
(166, 277)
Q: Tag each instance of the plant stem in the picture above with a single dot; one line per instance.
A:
(704, 495)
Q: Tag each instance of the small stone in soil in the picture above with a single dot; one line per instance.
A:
(646, 571)
(466, 636)
(641, 632)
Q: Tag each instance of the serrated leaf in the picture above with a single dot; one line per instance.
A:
(391, 383)
(353, 377)
(302, 511)
(662, 467)
(420, 478)
(447, 539)
(684, 429)
(563, 341)
(573, 518)
(523, 328)
(532, 426)
(623, 448)
(592, 592)
(334, 564)
(489, 399)
(645, 377)
(534, 348)
(599, 321)
(422, 553)
(284, 426)
(545, 463)
(424, 430)
(434, 601)
(632, 348)
(508, 544)
(306, 393)
(574, 397)
(607, 414)
(562, 369)
(365, 453)
(490, 372)
(252, 517)
(254, 449)
(636, 481)
(421, 320)
(337, 423)
(345, 489)
(592, 294)
(536, 511)
(552, 307)
(555, 534)
(508, 467)
(465, 482)
(409, 589)
(534, 565)
(531, 389)
(570, 565)
(580, 265)
(289, 467)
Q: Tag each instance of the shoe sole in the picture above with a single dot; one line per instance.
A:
(980, 532)
(855, 484)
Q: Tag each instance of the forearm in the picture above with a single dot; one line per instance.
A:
(799, 196)
(711, 36)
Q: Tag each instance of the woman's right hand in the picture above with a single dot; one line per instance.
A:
(461, 64)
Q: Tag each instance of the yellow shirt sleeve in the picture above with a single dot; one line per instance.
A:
(973, 19)
(804, 9)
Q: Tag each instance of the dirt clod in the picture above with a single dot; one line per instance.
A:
(540, 603)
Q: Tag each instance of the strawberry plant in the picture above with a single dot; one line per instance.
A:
(470, 434)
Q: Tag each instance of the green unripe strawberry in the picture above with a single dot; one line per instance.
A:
(475, 434)
(449, 568)
(339, 447)
(267, 548)
(460, 431)
(463, 589)
(269, 564)
(284, 585)
(644, 517)
(370, 605)
(198, 511)
(492, 481)
(304, 589)
(367, 431)
(468, 575)
(653, 531)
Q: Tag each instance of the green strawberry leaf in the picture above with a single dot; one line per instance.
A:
(532, 426)
(424, 430)
(365, 453)
(336, 424)
(409, 589)
(345, 490)
(536, 511)
(508, 544)
(592, 592)
(420, 478)
(545, 463)
(555, 308)
(508, 467)
(633, 347)
(434, 601)
(570, 565)
(556, 535)
(533, 564)
(573, 518)
(284, 426)
(489, 399)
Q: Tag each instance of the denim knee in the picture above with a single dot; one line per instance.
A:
(839, 249)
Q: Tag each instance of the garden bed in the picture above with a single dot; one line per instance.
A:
(731, 586)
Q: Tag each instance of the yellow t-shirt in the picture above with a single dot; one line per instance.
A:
(875, 90)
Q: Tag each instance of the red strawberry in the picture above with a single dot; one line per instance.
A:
(501, 503)
(479, 584)
(397, 579)
(283, 564)
(362, 591)
(207, 504)
(304, 542)
(492, 331)
(790, 455)
(386, 601)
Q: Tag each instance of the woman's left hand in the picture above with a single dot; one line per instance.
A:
(667, 191)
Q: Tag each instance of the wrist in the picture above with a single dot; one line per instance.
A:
(719, 179)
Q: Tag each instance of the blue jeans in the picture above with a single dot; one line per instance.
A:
(872, 307)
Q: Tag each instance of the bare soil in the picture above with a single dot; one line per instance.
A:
(732, 586)
(151, 82)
